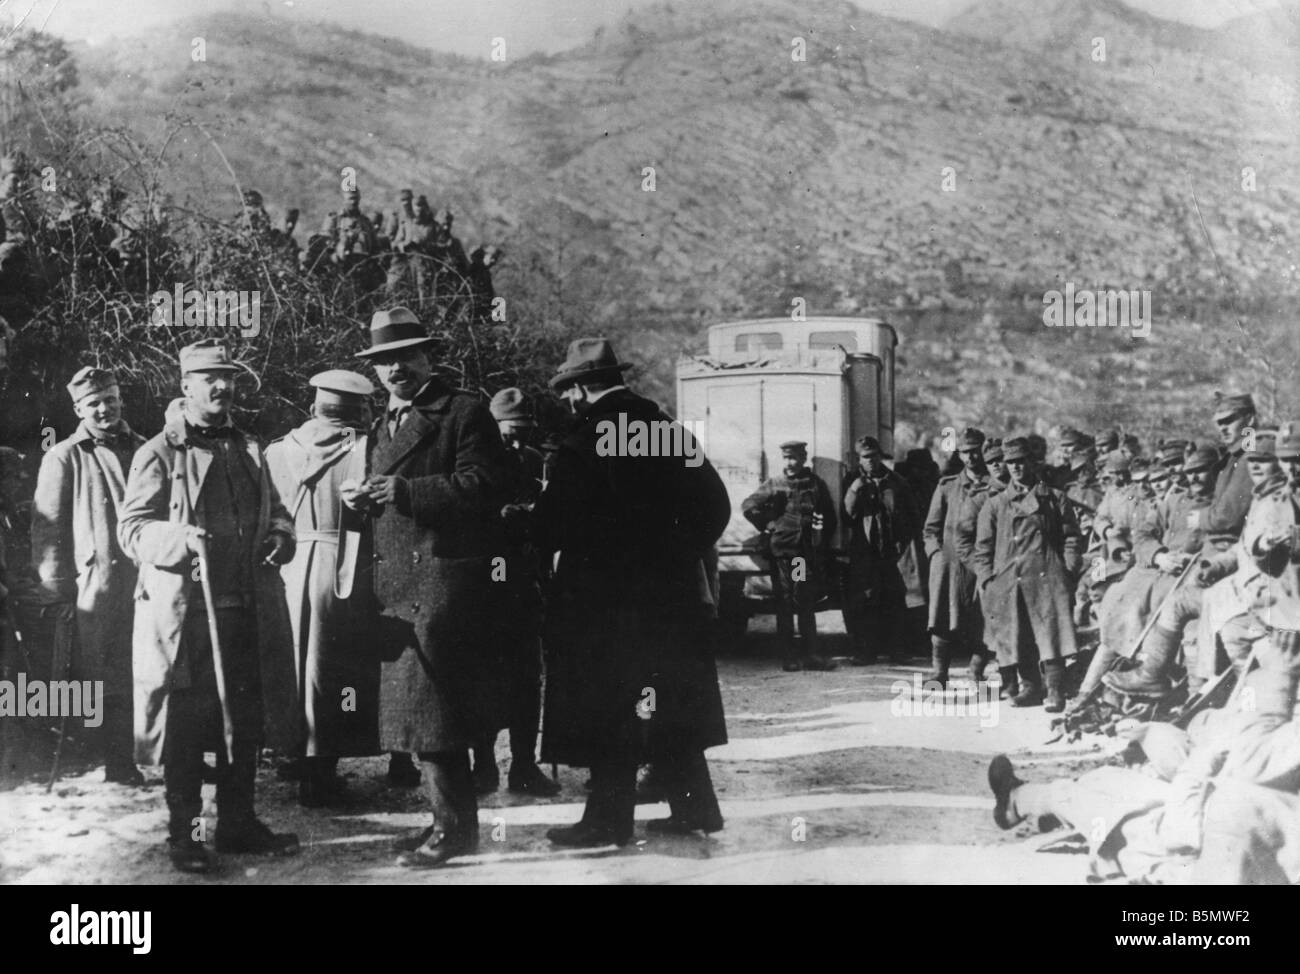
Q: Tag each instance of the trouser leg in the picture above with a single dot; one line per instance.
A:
(691, 797)
(450, 789)
(183, 763)
(117, 734)
(612, 802)
(526, 708)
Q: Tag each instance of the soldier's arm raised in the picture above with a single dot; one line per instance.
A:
(52, 543)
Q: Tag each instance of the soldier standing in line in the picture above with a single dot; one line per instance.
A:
(884, 525)
(1027, 559)
(955, 617)
(85, 578)
(797, 516)
(328, 582)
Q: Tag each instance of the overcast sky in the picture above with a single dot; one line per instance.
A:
(467, 26)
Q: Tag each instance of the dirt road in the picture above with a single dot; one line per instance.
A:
(828, 778)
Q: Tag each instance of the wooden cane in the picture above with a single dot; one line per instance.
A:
(218, 663)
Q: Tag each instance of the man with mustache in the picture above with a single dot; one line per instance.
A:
(199, 498)
(439, 478)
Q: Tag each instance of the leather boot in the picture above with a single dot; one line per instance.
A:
(979, 661)
(940, 657)
(1010, 682)
(1031, 686)
(1097, 667)
(1054, 678)
(1151, 678)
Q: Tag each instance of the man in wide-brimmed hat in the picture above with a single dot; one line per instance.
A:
(204, 522)
(629, 679)
(438, 479)
(86, 579)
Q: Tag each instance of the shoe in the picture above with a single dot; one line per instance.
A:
(1030, 695)
(412, 840)
(402, 772)
(649, 790)
(820, 664)
(321, 792)
(437, 850)
(940, 657)
(188, 856)
(1054, 678)
(979, 661)
(255, 838)
(529, 779)
(584, 836)
(672, 825)
(126, 774)
(1151, 677)
(487, 777)
(793, 665)
(1003, 780)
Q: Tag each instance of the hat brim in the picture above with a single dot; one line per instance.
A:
(394, 346)
(564, 379)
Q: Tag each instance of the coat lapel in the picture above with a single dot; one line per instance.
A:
(422, 422)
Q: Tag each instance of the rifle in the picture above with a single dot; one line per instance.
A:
(1070, 721)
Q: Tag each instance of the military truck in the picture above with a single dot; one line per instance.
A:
(764, 381)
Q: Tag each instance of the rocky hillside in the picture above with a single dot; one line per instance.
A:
(951, 175)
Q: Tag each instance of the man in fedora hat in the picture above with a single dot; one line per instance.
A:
(329, 579)
(204, 522)
(513, 411)
(955, 617)
(85, 578)
(1027, 559)
(439, 477)
(884, 554)
(797, 516)
(630, 678)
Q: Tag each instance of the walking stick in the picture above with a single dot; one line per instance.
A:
(218, 664)
(63, 643)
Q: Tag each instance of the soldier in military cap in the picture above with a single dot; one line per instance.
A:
(797, 514)
(993, 459)
(328, 582)
(86, 581)
(1107, 441)
(513, 411)
(1027, 559)
(955, 617)
(885, 532)
(1223, 519)
(204, 522)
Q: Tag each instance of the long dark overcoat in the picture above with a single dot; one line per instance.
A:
(442, 682)
(1026, 556)
(949, 542)
(629, 672)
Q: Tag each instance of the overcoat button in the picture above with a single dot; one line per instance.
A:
(415, 606)
(415, 557)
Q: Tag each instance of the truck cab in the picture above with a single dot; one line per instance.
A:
(761, 382)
